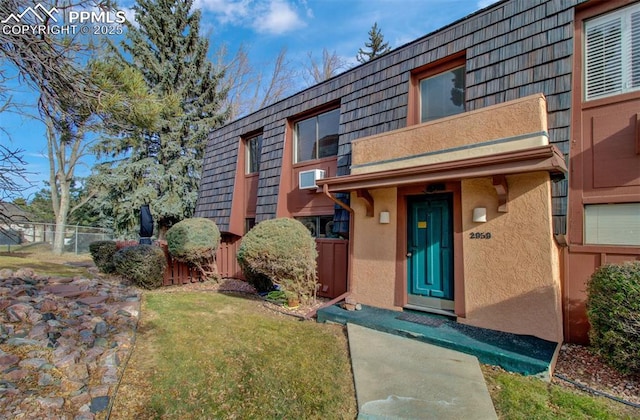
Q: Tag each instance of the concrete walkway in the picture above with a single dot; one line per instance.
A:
(400, 378)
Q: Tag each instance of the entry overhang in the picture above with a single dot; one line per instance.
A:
(543, 158)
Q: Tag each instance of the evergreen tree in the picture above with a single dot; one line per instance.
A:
(376, 45)
(161, 166)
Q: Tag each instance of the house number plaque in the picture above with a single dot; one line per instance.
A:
(480, 235)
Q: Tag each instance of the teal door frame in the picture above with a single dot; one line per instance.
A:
(430, 280)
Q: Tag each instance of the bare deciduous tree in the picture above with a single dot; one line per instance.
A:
(53, 65)
(330, 66)
(251, 87)
(13, 180)
(13, 174)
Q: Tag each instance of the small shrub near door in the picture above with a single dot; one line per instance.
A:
(144, 265)
(280, 251)
(195, 242)
(613, 308)
(102, 254)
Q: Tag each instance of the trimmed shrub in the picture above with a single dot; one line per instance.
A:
(195, 242)
(144, 265)
(280, 251)
(102, 255)
(613, 308)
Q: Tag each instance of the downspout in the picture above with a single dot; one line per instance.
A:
(312, 313)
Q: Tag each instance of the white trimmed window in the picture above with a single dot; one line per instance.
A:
(612, 53)
(612, 224)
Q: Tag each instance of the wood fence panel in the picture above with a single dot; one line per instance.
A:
(333, 261)
(226, 260)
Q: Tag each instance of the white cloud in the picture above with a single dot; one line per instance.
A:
(264, 16)
(226, 11)
(277, 18)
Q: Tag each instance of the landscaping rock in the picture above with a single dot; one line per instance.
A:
(68, 336)
(99, 404)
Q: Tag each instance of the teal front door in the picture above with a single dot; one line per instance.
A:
(430, 251)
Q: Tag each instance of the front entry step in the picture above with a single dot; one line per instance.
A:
(523, 354)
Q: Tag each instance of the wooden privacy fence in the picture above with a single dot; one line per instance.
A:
(332, 262)
(228, 266)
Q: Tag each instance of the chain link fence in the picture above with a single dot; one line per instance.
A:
(76, 238)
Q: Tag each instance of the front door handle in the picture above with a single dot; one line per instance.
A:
(409, 254)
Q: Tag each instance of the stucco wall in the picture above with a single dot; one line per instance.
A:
(374, 250)
(514, 125)
(512, 281)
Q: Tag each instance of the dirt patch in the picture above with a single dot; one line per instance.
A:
(579, 364)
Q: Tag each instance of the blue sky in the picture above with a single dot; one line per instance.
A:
(264, 27)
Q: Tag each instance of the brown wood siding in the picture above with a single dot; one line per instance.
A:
(605, 168)
(513, 49)
(582, 263)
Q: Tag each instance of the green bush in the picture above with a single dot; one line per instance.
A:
(102, 255)
(194, 241)
(613, 308)
(280, 251)
(142, 264)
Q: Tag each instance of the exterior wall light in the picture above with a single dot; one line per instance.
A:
(384, 217)
(480, 214)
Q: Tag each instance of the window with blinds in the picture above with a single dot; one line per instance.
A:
(612, 224)
(612, 53)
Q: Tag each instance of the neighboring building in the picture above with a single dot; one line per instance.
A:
(483, 171)
(12, 219)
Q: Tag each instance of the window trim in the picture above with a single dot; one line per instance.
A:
(596, 18)
(313, 114)
(429, 70)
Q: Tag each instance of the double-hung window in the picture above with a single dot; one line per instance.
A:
(442, 94)
(612, 53)
(317, 137)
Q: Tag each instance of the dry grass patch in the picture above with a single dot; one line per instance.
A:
(210, 355)
(44, 262)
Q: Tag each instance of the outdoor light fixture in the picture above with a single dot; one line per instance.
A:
(384, 217)
(480, 214)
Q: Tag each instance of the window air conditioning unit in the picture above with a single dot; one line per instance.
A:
(307, 179)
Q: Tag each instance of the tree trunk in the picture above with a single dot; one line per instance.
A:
(61, 218)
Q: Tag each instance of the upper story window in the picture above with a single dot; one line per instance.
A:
(442, 94)
(317, 137)
(253, 148)
(612, 53)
